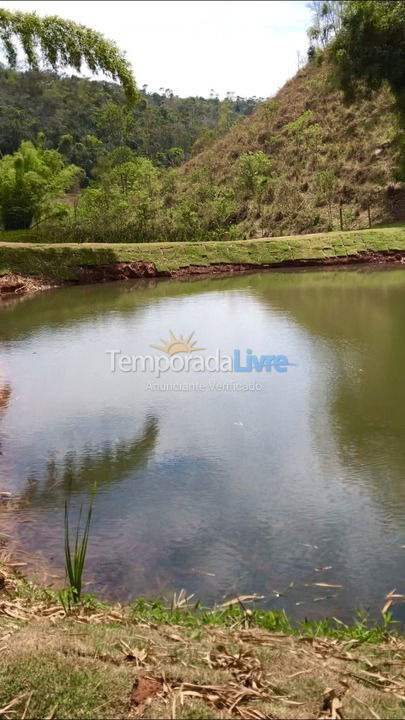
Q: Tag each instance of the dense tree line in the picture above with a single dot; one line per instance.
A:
(81, 160)
(85, 118)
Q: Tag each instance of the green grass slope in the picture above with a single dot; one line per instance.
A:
(61, 261)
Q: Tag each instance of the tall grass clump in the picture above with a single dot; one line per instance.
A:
(75, 557)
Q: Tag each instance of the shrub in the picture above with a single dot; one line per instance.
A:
(30, 181)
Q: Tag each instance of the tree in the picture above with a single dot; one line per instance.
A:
(84, 153)
(327, 19)
(252, 169)
(30, 180)
(254, 173)
(304, 132)
(125, 198)
(370, 47)
(326, 184)
(63, 43)
(115, 123)
(79, 107)
(225, 115)
(175, 156)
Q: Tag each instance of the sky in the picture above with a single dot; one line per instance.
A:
(248, 47)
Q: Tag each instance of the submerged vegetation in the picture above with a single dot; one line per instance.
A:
(31, 600)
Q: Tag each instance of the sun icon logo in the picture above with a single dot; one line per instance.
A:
(178, 345)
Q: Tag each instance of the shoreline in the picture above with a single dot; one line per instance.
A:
(31, 577)
(154, 660)
(15, 284)
(35, 596)
(31, 266)
(12, 285)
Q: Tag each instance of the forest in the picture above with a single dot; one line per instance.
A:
(84, 160)
(86, 117)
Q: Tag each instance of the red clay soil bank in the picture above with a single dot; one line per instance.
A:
(139, 269)
(19, 285)
(117, 271)
(16, 284)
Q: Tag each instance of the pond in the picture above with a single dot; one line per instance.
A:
(289, 484)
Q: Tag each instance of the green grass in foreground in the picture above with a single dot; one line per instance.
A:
(86, 664)
(69, 668)
(361, 630)
(196, 616)
(72, 670)
(60, 261)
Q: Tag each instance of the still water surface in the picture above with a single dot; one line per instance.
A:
(217, 492)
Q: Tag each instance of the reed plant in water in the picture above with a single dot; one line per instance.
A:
(75, 556)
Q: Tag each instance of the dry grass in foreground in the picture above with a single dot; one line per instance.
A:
(107, 663)
(70, 669)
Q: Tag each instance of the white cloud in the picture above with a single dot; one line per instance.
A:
(246, 46)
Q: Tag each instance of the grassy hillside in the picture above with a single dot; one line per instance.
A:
(321, 153)
(303, 162)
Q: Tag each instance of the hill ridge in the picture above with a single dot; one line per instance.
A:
(307, 132)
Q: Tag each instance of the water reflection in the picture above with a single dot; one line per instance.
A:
(218, 492)
(78, 472)
(75, 305)
(5, 395)
(363, 323)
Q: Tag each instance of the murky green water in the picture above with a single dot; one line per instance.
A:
(216, 491)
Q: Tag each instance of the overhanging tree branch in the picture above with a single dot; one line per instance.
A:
(63, 43)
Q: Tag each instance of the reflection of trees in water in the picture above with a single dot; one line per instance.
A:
(105, 465)
(5, 394)
(75, 306)
(363, 317)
